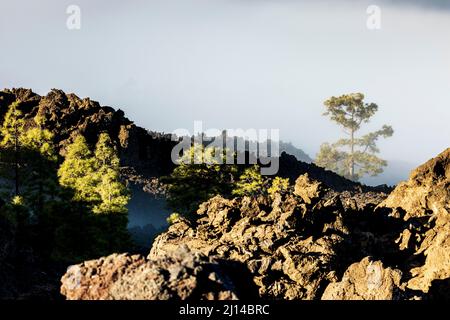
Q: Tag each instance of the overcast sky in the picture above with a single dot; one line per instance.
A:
(242, 63)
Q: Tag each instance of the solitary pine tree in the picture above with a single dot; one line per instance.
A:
(354, 156)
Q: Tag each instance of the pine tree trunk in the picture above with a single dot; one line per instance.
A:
(80, 232)
(41, 198)
(16, 162)
(352, 160)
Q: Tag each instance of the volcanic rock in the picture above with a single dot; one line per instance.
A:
(180, 274)
(424, 203)
(366, 280)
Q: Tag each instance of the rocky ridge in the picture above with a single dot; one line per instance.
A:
(145, 154)
(148, 153)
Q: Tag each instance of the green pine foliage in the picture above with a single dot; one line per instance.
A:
(354, 156)
(94, 178)
(40, 181)
(40, 141)
(13, 126)
(112, 193)
(77, 172)
(199, 176)
(250, 183)
(11, 148)
(69, 211)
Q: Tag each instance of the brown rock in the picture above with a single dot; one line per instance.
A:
(427, 192)
(366, 280)
(307, 189)
(424, 201)
(181, 274)
(284, 261)
(436, 248)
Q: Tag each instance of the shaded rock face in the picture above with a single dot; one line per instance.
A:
(180, 274)
(7, 247)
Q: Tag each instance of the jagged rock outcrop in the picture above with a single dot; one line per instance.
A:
(293, 245)
(427, 192)
(308, 190)
(180, 274)
(424, 203)
(366, 280)
(288, 247)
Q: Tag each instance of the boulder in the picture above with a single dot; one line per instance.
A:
(366, 280)
(180, 274)
(307, 189)
(427, 192)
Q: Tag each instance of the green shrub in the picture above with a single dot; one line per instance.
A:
(173, 218)
(279, 186)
